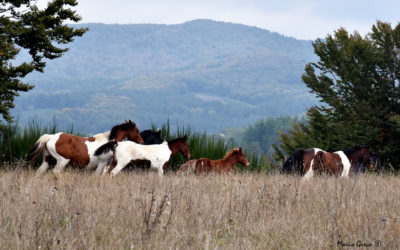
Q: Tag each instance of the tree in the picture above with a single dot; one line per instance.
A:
(357, 80)
(24, 26)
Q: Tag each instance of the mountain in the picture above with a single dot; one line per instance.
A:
(203, 74)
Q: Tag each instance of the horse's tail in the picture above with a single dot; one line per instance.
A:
(105, 148)
(189, 165)
(38, 148)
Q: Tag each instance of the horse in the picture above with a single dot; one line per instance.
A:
(124, 152)
(151, 137)
(305, 162)
(335, 163)
(62, 148)
(299, 161)
(361, 158)
(176, 145)
(227, 164)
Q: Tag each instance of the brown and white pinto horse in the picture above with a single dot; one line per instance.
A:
(64, 148)
(305, 162)
(227, 164)
(335, 163)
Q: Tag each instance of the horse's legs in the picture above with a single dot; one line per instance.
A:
(106, 169)
(45, 165)
(159, 168)
(61, 163)
(160, 171)
(120, 165)
(100, 167)
(310, 172)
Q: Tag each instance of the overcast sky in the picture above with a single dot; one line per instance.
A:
(304, 19)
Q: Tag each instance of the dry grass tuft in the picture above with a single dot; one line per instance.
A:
(142, 210)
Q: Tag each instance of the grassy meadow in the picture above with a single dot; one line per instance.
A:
(79, 210)
(140, 210)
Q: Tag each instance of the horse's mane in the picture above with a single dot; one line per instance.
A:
(124, 126)
(229, 154)
(177, 139)
(149, 131)
(352, 150)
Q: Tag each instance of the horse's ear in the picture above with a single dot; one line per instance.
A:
(185, 137)
(240, 149)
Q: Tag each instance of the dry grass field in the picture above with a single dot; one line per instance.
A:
(241, 211)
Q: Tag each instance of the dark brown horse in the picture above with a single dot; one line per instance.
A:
(178, 145)
(227, 164)
(63, 148)
(361, 159)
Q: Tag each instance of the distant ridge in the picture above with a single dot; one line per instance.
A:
(205, 74)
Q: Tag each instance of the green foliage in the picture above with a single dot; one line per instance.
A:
(264, 133)
(358, 81)
(16, 142)
(24, 26)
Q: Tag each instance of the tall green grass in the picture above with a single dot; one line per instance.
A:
(16, 142)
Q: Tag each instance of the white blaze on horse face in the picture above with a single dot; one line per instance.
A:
(310, 171)
(345, 162)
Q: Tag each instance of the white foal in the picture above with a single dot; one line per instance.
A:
(127, 151)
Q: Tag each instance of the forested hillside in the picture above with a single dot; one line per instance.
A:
(204, 74)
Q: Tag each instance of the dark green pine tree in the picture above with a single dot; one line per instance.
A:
(24, 26)
(357, 80)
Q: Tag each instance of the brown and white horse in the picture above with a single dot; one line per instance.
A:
(335, 163)
(340, 163)
(64, 148)
(227, 164)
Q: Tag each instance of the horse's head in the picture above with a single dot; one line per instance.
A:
(360, 155)
(241, 157)
(180, 145)
(151, 137)
(185, 147)
(133, 133)
(294, 163)
(126, 130)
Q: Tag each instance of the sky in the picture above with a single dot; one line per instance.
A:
(303, 19)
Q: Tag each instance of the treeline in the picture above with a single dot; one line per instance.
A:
(260, 136)
(16, 142)
(357, 80)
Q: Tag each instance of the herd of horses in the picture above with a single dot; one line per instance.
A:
(109, 152)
